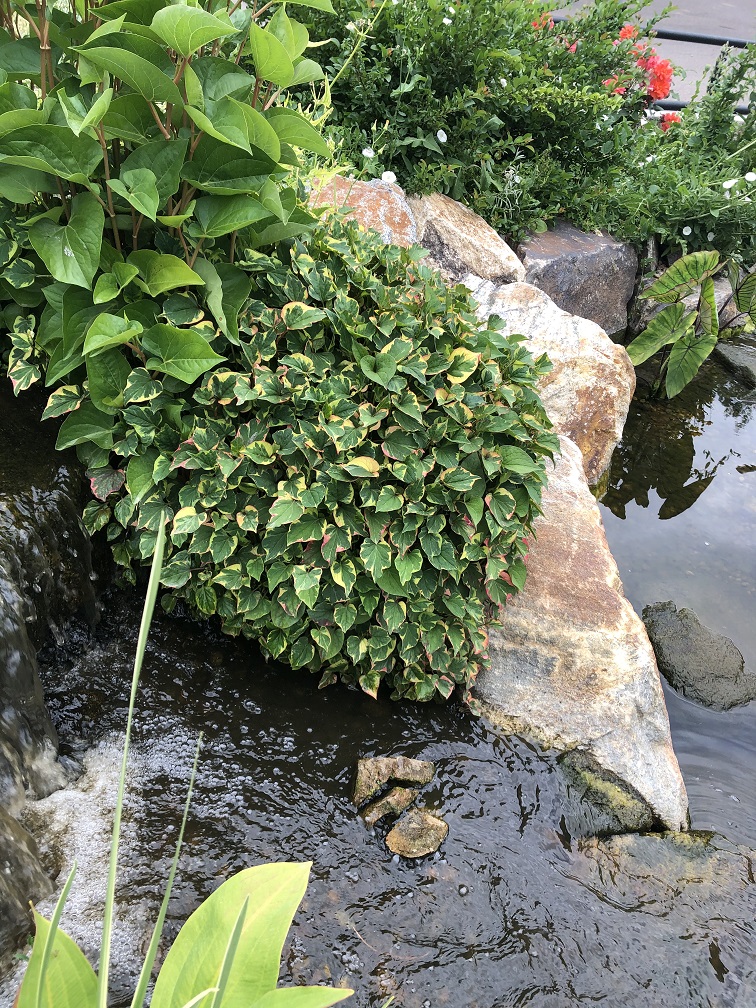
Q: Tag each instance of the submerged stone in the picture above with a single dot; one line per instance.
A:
(417, 834)
(703, 665)
(374, 772)
(394, 803)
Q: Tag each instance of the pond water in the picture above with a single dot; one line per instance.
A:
(680, 517)
(519, 907)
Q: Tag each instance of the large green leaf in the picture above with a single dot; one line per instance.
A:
(186, 29)
(21, 185)
(182, 353)
(107, 374)
(164, 159)
(686, 357)
(138, 188)
(129, 118)
(14, 120)
(71, 251)
(682, 277)
(140, 74)
(226, 290)
(69, 981)
(52, 149)
(108, 331)
(302, 997)
(194, 962)
(666, 327)
(78, 116)
(272, 62)
(220, 78)
(16, 96)
(85, 424)
(708, 316)
(220, 215)
(238, 124)
(20, 59)
(161, 272)
(293, 129)
(224, 172)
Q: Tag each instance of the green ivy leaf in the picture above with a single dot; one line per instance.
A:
(307, 584)
(71, 251)
(160, 272)
(376, 556)
(86, 423)
(182, 353)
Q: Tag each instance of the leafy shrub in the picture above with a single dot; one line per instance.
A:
(349, 482)
(450, 96)
(684, 337)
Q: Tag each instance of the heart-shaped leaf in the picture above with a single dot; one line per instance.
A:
(72, 251)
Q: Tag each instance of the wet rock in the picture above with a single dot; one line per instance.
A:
(590, 275)
(572, 664)
(703, 665)
(22, 879)
(378, 205)
(739, 354)
(374, 772)
(394, 803)
(587, 394)
(460, 242)
(417, 834)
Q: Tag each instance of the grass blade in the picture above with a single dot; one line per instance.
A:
(50, 940)
(228, 958)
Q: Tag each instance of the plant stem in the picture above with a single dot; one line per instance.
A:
(197, 247)
(358, 44)
(159, 121)
(110, 208)
(144, 629)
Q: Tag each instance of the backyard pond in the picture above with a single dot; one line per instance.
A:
(520, 906)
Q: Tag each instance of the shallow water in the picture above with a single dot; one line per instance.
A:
(680, 517)
(516, 909)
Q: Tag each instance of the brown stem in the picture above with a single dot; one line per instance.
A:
(63, 200)
(187, 253)
(264, 7)
(181, 68)
(135, 231)
(197, 247)
(158, 120)
(256, 92)
(110, 207)
(232, 251)
(193, 146)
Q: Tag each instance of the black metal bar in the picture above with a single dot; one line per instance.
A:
(681, 36)
(670, 105)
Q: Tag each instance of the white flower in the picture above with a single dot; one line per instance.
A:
(351, 26)
(447, 20)
(368, 152)
(503, 81)
(730, 183)
(727, 194)
(710, 236)
(750, 176)
(441, 136)
(452, 10)
(650, 158)
(687, 230)
(388, 176)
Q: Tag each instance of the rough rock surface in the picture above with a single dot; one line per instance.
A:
(590, 275)
(378, 205)
(396, 801)
(739, 354)
(703, 665)
(588, 392)
(22, 878)
(374, 772)
(572, 663)
(417, 834)
(460, 242)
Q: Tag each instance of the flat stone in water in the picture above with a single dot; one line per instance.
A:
(417, 834)
(376, 771)
(703, 665)
(394, 803)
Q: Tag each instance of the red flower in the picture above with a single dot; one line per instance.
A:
(612, 83)
(543, 22)
(572, 48)
(628, 32)
(660, 73)
(667, 119)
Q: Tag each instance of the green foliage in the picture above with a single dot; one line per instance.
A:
(691, 335)
(226, 955)
(347, 474)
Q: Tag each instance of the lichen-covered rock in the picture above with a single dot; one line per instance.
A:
(460, 242)
(572, 664)
(590, 275)
(703, 665)
(417, 834)
(396, 801)
(587, 394)
(378, 205)
(374, 772)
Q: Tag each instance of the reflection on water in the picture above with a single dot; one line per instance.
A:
(513, 911)
(680, 517)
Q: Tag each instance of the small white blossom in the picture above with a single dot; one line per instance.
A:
(503, 81)
(687, 230)
(452, 10)
(447, 21)
(351, 26)
(730, 183)
(388, 176)
(750, 176)
(650, 158)
(441, 136)
(710, 236)
(368, 152)
(727, 194)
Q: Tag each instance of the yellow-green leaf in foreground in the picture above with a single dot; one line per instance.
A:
(69, 981)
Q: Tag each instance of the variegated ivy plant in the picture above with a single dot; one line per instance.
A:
(350, 481)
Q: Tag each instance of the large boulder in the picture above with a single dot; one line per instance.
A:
(572, 664)
(703, 665)
(460, 242)
(379, 205)
(588, 392)
(590, 275)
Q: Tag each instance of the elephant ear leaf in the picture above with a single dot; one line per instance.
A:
(200, 960)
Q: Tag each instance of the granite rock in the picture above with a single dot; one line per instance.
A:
(379, 205)
(374, 772)
(572, 665)
(417, 834)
